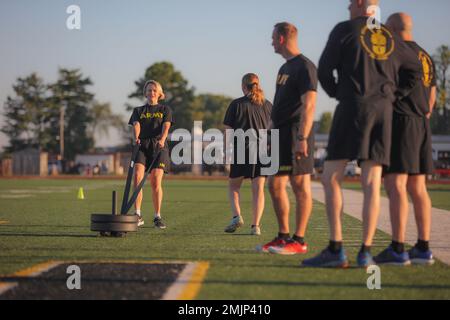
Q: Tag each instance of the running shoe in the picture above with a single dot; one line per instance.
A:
(291, 247)
(328, 259)
(235, 223)
(140, 220)
(256, 231)
(364, 259)
(390, 257)
(159, 223)
(275, 242)
(421, 257)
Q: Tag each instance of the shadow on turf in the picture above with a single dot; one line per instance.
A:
(44, 235)
(327, 284)
(228, 282)
(87, 280)
(43, 226)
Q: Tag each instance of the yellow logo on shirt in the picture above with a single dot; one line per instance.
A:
(148, 115)
(379, 43)
(282, 79)
(427, 66)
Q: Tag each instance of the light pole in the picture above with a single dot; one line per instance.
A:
(61, 132)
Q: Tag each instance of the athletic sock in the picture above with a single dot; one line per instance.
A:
(300, 240)
(138, 212)
(422, 245)
(365, 249)
(335, 246)
(157, 216)
(398, 247)
(283, 236)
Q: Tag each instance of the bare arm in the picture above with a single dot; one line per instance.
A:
(432, 101)
(165, 133)
(136, 132)
(306, 124)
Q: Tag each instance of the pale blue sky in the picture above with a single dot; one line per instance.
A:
(213, 43)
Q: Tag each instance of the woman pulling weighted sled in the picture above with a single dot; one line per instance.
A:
(151, 124)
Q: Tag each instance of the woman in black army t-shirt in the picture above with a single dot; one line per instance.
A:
(252, 111)
(151, 124)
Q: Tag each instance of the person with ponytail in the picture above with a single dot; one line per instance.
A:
(252, 111)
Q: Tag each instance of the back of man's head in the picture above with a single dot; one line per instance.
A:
(401, 23)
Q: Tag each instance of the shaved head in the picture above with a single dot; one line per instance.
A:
(400, 22)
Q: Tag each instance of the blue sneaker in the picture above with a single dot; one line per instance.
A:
(364, 259)
(420, 257)
(390, 257)
(327, 259)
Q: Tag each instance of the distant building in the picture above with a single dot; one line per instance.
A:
(30, 162)
(441, 148)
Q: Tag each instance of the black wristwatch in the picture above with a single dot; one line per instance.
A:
(301, 138)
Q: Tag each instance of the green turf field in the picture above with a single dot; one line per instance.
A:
(45, 221)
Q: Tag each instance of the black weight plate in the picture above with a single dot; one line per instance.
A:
(112, 226)
(102, 218)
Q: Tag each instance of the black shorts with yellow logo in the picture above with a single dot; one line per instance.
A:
(289, 165)
(148, 150)
(361, 131)
(411, 146)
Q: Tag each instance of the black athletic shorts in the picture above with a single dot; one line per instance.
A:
(411, 146)
(361, 131)
(246, 171)
(147, 152)
(288, 164)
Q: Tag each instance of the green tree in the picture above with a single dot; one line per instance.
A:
(179, 96)
(28, 115)
(325, 122)
(103, 119)
(210, 109)
(440, 120)
(70, 92)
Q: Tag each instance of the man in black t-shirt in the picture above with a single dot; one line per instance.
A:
(411, 156)
(293, 115)
(367, 58)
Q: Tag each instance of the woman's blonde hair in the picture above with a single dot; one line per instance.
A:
(256, 94)
(158, 86)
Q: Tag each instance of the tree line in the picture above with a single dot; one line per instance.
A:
(37, 112)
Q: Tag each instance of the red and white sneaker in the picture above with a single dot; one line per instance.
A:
(290, 248)
(275, 242)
